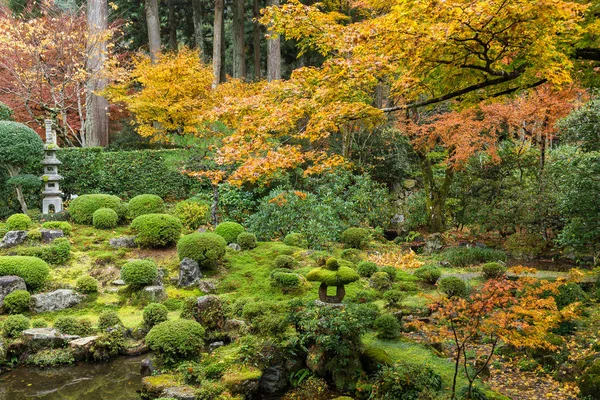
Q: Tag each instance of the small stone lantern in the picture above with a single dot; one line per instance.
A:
(52, 202)
(333, 274)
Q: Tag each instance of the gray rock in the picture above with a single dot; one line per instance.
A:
(162, 273)
(9, 284)
(189, 273)
(57, 300)
(147, 367)
(39, 338)
(156, 293)
(123, 241)
(444, 264)
(82, 347)
(480, 245)
(201, 230)
(119, 282)
(180, 393)
(273, 379)
(207, 286)
(215, 345)
(433, 244)
(320, 303)
(12, 239)
(49, 235)
(234, 246)
(236, 328)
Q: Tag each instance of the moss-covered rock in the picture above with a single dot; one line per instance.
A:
(244, 380)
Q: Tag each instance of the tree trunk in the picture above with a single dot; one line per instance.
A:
(215, 205)
(96, 123)
(12, 172)
(273, 51)
(435, 196)
(172, 25)
(239, 53)
(153, 24)
(218, 43)
(198, 28)
(256, 34)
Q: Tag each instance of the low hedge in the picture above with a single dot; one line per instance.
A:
(207, 249)
(62, 225)
(156, 230)
(33, 270)
(145, 204)
(82, 208)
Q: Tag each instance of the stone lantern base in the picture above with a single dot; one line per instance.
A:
(339, 294)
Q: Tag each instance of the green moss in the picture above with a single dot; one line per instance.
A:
(342, 276)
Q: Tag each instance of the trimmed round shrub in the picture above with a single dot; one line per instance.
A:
(178, 340)
(453, 286)
(139, 273)
(105, 218)
(73, 326)
(62, 225)
(493, 270)
(428, 274)
(394, 297)
(380, 281)
(406, 381)
(352, 255)
(366, 268)
(356, 238)
(284, 261)
(229, 231)
(33, 270)
(207, 249)
(34, 235)
(286, 280)
(6, 113)
(569, 294)
(39, 323)
(387, 326)
(17, 302)
(145, 204)
(192, 214)
(86, 284)
(82, 208)
(333, 277)
(589, 382)
(108, 319)
(156, 230)
(18, 222)
(14, 324)
(391, 271)
(154, 314)
(296, 240)
(246, 240)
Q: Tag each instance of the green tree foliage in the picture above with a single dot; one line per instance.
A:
(582, 126)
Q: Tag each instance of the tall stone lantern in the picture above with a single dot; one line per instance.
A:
(52, 195)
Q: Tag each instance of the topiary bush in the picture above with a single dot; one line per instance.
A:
(108, 319)
(56, 253)
(246, 240)
(589, 381)
(156, 230)
(192, 214)
(453, 286)
(14, 324)
(380, 281)
(391, 271)
(207, 249)
(284, 261)
(73, 326)
(286, 280)
(18, 222)
(87, 284)
(139, 273)
(296, 240)
(82, 208)
(17, 302)
(105, 218)
(406, 381)
(178, 340)
(62, 225)
(387, 326)
(366, 268)
(428, 274)
(355, 238)
(33, 270)
(145, 204)
(493, 270)
(229, 231)
(154, 314)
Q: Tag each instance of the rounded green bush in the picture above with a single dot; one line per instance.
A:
(380, 281)
(406, 381)
(156, 230)
(14, 324)
(229, 231)
(33, 270)
(589, 381)
(6, 113)
(139, 273)
(356, 238)
(207, 249)
(73, 326)
(145, 204)
(39, 323)
(154, 314)
(17, 302)
(18, 222)
(62, 225)
(178, 340)
(296, 240)
(246, 240)
(82, 208)
(391, 271)
(284, 261)
(341, 276)
(108, 319)
(192, 214)
(105, 218)
(568, 294)
(493, 270)
(394, 297)
(428, 274)
(286, 280)
(34, 235)
(387, 326)
(86, 284)
(453, 286)
(366, 268)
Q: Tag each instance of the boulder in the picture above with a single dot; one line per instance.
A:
(207, 286)
(189, 273)
(3, 352)
(40, 338)
(9, 284)
(234, 246)
(273, 379)
(54, 301)
(243, 381)
(215, 345)
(433, 244)
(119, 282)
(82, 347)
(155, 293)
(180, 393)
(315, 360)
(12, 239)
(236, 328)
(123, 241)
(49, 235)
(209, 312)
(147, 367)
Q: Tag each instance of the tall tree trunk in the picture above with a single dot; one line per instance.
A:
(96, 123)
(153, 24)
(256, 34)
(12, 172)
(172, 25)
(239, 56)
(214, 209)
(198, 28)
(273, 51)
(218, 43)
(435, 195)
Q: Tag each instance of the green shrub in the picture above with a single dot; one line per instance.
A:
(295, 239)
(6, 113)
(265, 317)
(367, 268)
(525, 245)
(284, 261)
(105, 218)
(406, 286)
(178, 340)
(14, 324)
(108, 319)
(568, 294)
(17, 302)
(428, 274)
(286, 280)
(453, 286)
(34, 235)
(18, 222)
(156, 230)
(466, 256)
(207, 249)
(62, 225)
(56, 253)
(109, 344)
(154, 314)
(73, 326)
(229, 231)
(139, 273)
(192, 214)
(51, 358)
(589, 381)
(34, 271)
(352, 255)
(82, 208)
(408, 381)
(387, 326)
(145, 204)
(380, 281)
(246, 240)
(355, 238)
(394, 297)
(87, 284)
(391, 271)
(493, 270)
(38, 323)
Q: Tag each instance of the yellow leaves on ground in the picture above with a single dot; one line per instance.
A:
(396, 259)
